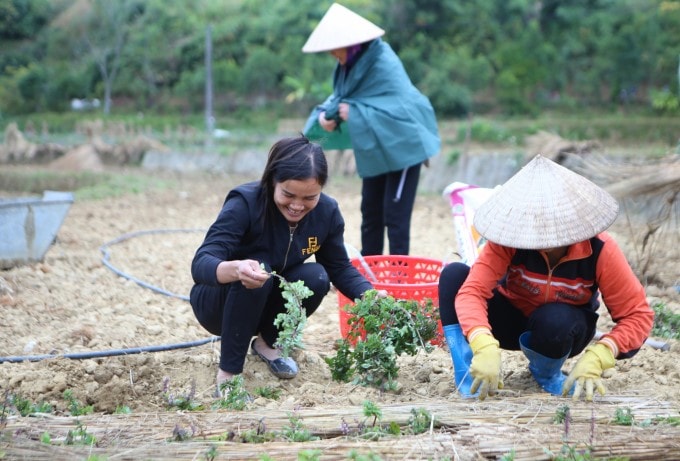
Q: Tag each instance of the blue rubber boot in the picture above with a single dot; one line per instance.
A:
(461, 355)
(546, 371)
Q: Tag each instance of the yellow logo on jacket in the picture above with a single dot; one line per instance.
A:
(312, 246)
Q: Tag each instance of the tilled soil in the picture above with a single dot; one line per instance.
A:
(73, 303)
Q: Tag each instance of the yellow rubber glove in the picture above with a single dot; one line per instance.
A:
(485, 367)
(588, 371)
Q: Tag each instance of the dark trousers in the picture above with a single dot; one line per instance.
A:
(236, 313)
(557, 329)
(387, 202)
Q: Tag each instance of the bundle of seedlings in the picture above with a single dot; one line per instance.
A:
(380, 330)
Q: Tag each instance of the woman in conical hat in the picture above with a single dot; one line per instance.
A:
(376, 111)
(536, 286)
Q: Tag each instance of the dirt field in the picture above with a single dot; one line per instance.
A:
(71, 302)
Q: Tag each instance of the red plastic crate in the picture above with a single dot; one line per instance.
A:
(403, 277)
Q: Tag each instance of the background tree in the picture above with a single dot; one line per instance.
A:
(504, 56)
(102, 31)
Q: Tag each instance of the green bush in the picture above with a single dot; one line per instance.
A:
(664, 102)
(485, 131)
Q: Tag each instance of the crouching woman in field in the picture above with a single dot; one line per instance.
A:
(273, 225)
(536, 286)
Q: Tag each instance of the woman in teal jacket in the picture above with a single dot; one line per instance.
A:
(391, 125)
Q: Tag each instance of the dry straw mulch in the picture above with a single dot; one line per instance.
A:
(522, 427)
(656, 177)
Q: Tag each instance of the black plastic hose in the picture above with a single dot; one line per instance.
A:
(108, 353)
(105, 259)
(133, 350)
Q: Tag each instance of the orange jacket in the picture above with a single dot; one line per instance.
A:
(589, 268)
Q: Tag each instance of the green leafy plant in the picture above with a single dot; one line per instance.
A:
(95, 458)
(234, 395)
(210, 454)
(257, 434)
(420, 420)
(46, 438)
(342, 364)
(309, 455)
(623, 417)
(182, 401)
(292, 322)
(376, 362)
(370, 428)
(74, 406)
(80, 436)
(180, 434)
(666, 322)
(356, 456)
(670, 420)
(374, 430)
(561, 414)
(508, 456)
(123, 410)
(296, 430)
(569, 452)
(382, 329)
(371, 410)
(268, 392)
(24, 406)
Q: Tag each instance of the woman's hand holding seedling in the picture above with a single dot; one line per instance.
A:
(251, 274)
(248, 271)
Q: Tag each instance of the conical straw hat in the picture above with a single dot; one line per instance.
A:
(545, 205)
(340, 28)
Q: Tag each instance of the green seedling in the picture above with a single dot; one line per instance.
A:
(24, 406)
(561, 415)
(257, 434)
(122, 410)
(356, 456)
(46, 438)
(74, 406)
(309, 455)
(666, 322)
(296, 430)
(234, 395)
(179, 434)
(371, 410)
(420, 421)
(570, 452)
(80, 436)
(342, 364)
(182, 401)
(210, 454)
(508, 456)
(268, 392)
(374, 430)
(669, 420)
(623, 417)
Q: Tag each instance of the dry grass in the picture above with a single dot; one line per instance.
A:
(522, 427)
(649, 194)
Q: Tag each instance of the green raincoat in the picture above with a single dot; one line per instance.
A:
(391, 124)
